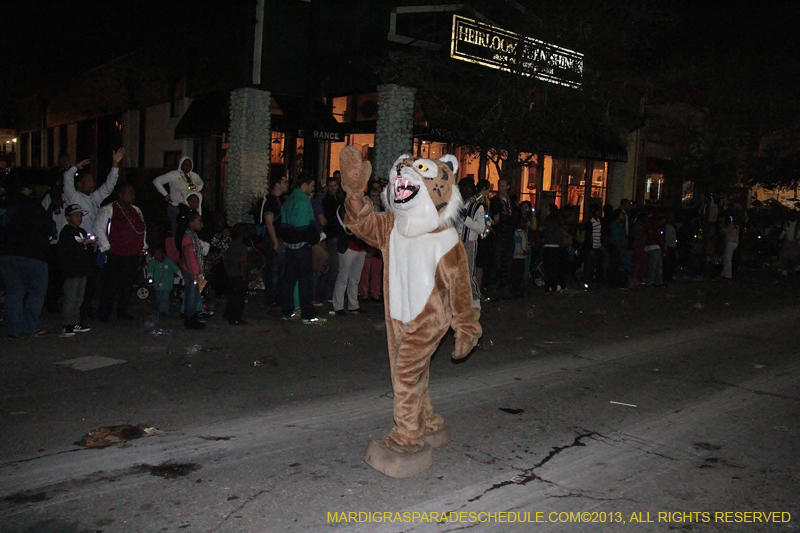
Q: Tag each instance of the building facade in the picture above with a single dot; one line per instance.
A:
(282, 86)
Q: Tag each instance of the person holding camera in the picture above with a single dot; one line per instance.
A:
(75, 246)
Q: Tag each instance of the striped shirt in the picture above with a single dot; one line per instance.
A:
(597, 232)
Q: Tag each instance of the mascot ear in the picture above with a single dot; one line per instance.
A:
(451, 161)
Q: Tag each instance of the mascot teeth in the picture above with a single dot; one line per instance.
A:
(404, 190)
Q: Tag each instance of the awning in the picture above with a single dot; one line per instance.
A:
(207, 116)
(597, 152)
(306, 117)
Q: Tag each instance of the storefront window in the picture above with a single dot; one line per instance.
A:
(340, 108)
(599, 181)
(653, 188)
(527, 189)
(469, 163)
(553, 181)
(365, 141)
(278, 144)
(687, 196)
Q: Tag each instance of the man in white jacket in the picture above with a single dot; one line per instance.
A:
(181, 182)
(82, 189)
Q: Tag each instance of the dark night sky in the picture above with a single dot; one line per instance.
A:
(47, 41)
(43, 42)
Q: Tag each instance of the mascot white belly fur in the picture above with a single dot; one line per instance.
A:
(412, 270)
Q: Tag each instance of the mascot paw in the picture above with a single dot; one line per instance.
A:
(355, 171)
(463, 348)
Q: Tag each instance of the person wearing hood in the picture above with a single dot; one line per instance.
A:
(181, 182)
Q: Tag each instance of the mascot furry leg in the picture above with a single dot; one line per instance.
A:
(426, 288)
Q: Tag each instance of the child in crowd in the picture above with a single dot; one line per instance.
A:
(183, 210)
(521, 251)
(190, 254)
(216, 259)
(194, 202)
(236, 269)
(162, 270)
(76, 251)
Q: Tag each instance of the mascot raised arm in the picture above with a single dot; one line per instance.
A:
(426, 292)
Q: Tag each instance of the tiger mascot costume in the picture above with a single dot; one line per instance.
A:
(426, 291)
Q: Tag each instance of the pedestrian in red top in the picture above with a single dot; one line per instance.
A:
(121, 237)
(655, 248)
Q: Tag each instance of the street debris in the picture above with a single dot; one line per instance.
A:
(197, 348)
(757, 366)
(257, 363)
(104, 436)
(90, 362)
(512, 411)
(152, 349)
(151, 432)
(26, 497)
(625, 404)
(212, 437)
(170, 470)
(151, 326)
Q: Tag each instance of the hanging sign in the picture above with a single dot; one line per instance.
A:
(493, 47)
(332, 136)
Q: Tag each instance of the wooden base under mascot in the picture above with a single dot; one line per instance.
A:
(426, 290)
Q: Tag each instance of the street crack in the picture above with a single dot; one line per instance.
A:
(528, 475)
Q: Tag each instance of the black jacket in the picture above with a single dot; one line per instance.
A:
(27, 229)
(75, 257)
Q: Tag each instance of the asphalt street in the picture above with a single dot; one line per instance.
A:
(642, 410)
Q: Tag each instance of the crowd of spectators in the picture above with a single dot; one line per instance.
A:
(80, 249)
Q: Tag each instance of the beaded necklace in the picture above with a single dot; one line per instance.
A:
(188, 179)
(129, 220)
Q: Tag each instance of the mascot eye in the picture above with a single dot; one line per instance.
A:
(422, 167)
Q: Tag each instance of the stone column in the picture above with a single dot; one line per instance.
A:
(395, 129)
(249, 144)
(616, 192)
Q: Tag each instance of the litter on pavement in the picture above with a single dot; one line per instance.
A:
(103, 436)
(625, 404)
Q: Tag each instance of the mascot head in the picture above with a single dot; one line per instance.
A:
(422, 194)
